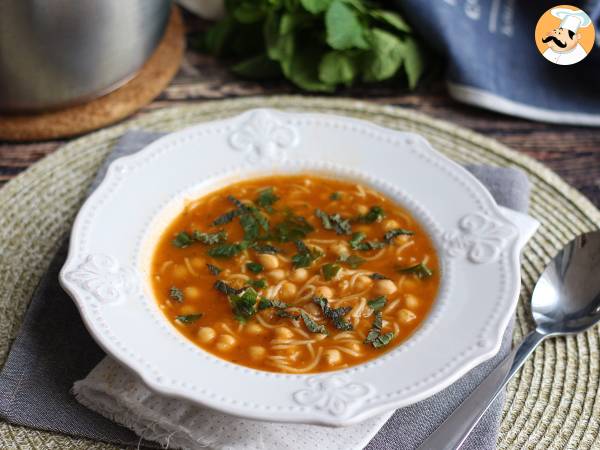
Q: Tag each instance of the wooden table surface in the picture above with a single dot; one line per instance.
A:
(573, 152)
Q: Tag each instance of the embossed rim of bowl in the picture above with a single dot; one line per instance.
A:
(106, 272)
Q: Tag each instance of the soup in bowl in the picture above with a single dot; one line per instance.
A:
(295, 273)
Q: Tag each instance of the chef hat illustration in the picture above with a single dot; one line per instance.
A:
(571, 19)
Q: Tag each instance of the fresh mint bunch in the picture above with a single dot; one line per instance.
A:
(317, 44)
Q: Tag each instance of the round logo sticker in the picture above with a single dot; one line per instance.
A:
(564, 35)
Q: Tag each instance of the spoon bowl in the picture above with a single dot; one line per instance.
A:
(566, 299)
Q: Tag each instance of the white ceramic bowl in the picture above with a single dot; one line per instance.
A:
(107, 270)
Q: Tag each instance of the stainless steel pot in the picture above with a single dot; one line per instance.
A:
(59, 52)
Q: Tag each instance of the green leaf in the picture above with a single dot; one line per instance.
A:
(209, 238)
(356, 242)
(377, 303)
(258, 67)
(225, 288)
(244, 305)
(337, 68)
(266, 199)
(293, 228)
(391, 18)
(330, 271)
(344, 30)
(375, 214)
(315, 6)
(176, 294)
(385, 57)
(375, 330)
(188, 318)
(265, 303)
(414, 61)
(286, 314)
(390, 235)
(336, 315)
(311, 325)
(305, 256)
(302, 69)
(335, 196)
(352, 260)
(228, 250)
(182, 240)
(254, 267)
(260, 283)
(214, 270)
(383, 340)
(227, 217)
(334, 222)
(266, 249)
(419, 270)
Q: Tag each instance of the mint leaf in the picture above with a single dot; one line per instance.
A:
(414, 61)
(227, 250)
(209, 238)
(391, 18)
(266, 198)
(377, 303)
(214, 270)
(375, 214)
(188, 318)
(182, 240)
(390, 235)
(315, 6)
(311, 325)
(385, 57)
(383, 340)
(244, 305)
(330, 271)
(254, 267)
(337, 68)
(344, 30)
(419, 270)
(176, 294)
(352, 260)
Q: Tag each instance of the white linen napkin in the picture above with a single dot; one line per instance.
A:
(116, 393)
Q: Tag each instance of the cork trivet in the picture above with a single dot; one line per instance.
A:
(150, 80)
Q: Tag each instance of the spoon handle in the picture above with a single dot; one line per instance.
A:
(455, 429)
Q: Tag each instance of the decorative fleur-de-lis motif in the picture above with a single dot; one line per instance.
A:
(336, 395)
(264, 136)
(478, 237)
(103, 278)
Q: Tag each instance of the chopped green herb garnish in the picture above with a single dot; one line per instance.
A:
(213, 269)
(254, 267)
(383, 340)
(266, 198)
(286, 314)
(375, 330)
(265, 303)
(334, 222)
(182, 240)
(244, 304)
(305, 256)
(261, 283)
(176, 294)
(330, 270)
(226, 289)
(266, 249)
(251, 223)
(335, 196)
(228, 250)
(389, 236)
(311, 325)
(356, 242)
(419, 270)
(188, 318)
(377, 303)
(209, 238)
(352, 260)
(293, 228)
(378, 276)
(336, 315)
(375, 214)
(227, 217)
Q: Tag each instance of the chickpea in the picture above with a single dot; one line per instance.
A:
(390, 224)
(269, 262)
(332, 356)
(197, 262)
(257, 352)
(225, 342)
(411, 301)
(283, 333)
(406, 316)
(277, 274)
(324, 291)
(191, 293)
(180, 271)
(363, 282)
(385, 287)
(254, 329)
(288, 290)
(361, 209)
(340, 248)
(206, 334)
(187, 309)
(299, 275)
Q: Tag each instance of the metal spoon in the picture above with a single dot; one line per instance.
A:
(566, 300)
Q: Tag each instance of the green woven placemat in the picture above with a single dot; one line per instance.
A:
(550, 404)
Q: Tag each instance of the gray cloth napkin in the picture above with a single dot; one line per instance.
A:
(53, 350)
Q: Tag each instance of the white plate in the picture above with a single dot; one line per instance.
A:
(107, 270)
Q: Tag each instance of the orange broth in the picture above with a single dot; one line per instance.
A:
(347, 273)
